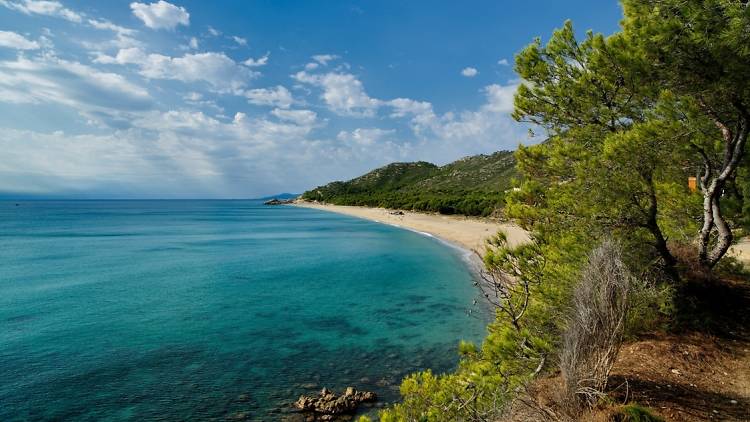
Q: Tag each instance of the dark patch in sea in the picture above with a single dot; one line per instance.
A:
(339, 325)
(18, 319)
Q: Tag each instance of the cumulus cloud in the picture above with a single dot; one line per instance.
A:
(300, 117)
(109, 26)
(485, 129)
(343, 93)
(43, 7)
(169, 153)
(239, 40)
(123, 36)
(503, 62)
(500, 97)
(421, 113)
(364, 136)
(324, 58)
(17, 41)
(469, 72)
(217, 69)
(160, 15)
(320, 60)
(91, 92)
(278, 96)
(259, 62)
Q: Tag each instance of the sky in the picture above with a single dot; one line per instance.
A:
(242, 99)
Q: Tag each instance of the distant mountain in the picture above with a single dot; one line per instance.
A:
(472, 186)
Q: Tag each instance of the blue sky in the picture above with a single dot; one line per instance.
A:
(237, 99)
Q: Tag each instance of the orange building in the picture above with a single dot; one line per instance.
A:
(692, 184)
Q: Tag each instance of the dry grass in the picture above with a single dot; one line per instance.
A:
(595, 328)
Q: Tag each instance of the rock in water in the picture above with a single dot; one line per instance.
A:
(276, 201)
(328, 405)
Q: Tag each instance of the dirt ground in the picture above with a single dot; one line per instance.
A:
(697, 373)
(701, 373)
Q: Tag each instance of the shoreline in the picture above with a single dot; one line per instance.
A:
(467, 235)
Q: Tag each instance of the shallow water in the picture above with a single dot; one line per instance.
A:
(173, 310)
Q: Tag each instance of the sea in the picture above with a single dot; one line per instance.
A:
(125, 310)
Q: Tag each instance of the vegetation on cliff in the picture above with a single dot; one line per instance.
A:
(630, 117)
(471, 186)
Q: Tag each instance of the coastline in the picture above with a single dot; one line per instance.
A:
(467, 234)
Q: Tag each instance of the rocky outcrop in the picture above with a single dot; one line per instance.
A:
(276, 201)
(327, 406)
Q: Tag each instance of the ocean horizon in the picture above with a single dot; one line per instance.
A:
(212, 309)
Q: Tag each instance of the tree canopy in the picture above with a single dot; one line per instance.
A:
(628, 118)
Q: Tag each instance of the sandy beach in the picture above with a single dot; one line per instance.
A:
(467, 232)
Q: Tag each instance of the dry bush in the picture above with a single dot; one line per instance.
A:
(596, 325)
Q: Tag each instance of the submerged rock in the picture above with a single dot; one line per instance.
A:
(328, 406)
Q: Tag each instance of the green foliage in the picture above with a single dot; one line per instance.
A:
(652, 307)
(699, 52)
(629, 118)
(513, 352)
(636, 413)
(608, 166)
(470, 186)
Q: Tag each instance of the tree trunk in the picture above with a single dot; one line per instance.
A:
(713, 187)
(652, 224)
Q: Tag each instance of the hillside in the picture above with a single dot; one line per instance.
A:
(472, 186)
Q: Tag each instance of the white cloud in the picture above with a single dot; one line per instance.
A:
(300, 117)
(262, 61)
(43, 7)
(500, 98)
(363, 136)
(198, 100)
(193, 96)
(17, 41)
(239, 40)
(469, 72)
(503, 62)
(99, 96)
(109, 26)
(488, 128)
(123, 36)
(213, 31)
(217, 69)
(312, 66)
(161, 15)
(342, 92)
(176, 153)
(421, 113)
(193, 43)
(324, 58)
(278, 96)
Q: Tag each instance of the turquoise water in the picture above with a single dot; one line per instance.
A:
(174, 310)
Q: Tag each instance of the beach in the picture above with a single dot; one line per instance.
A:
(468, 233)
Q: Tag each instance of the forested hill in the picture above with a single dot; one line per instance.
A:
(472, 186)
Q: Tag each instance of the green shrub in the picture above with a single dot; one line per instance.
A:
(635, 413)
(652, 307)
